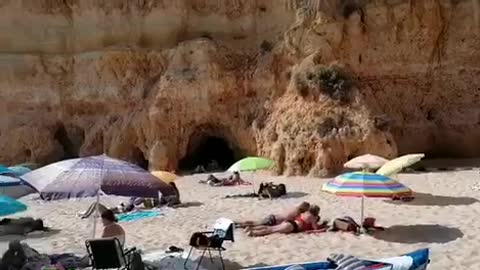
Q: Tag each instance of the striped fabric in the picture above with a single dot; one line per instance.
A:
(358, 184)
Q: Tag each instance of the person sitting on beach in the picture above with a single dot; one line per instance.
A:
(111, 228)
(171, 200)
(272, 220)
(235, 179)
(305, 222)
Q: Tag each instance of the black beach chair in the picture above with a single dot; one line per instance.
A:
(211, 240)
(108, 253)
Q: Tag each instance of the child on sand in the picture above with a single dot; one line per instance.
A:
(272, 220)
(305, 222)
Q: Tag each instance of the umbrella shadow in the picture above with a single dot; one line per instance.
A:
(188, 204)
(32, 235)
(419, 233)
(229, 264)
(295, 194)
(427, 199)
(256, 265)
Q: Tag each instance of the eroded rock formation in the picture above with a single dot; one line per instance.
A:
(150, 80)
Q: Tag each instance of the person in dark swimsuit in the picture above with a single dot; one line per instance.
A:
(272, 220)
(305, 222)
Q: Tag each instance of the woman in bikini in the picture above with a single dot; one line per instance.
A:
(272, 220)
(305, 222)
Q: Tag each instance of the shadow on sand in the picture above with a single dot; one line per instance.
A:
(294, 194)
(188, 204)
(420, 233)
(32, 235)
(427, 199)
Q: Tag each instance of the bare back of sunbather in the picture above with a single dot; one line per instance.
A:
(272, 220)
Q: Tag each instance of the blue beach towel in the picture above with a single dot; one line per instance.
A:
(134, 216)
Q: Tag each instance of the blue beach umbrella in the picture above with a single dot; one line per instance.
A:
(19, 170)
(5, 170)
(9, 206)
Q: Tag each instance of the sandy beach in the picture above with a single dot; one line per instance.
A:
(444, 217)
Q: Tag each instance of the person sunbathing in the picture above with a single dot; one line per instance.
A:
(272, 220)
(111, 228)
(305, 222)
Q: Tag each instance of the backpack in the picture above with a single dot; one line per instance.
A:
(199, 239)
(345, 224)
(136, 262)
(271, 190)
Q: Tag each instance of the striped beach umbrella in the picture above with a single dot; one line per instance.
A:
(365, 184)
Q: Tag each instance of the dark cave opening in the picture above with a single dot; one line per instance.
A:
(212, 152)
(138, 158)
(70, 147)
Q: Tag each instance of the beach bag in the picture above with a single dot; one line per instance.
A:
(199, 239)
(271, 190)
(345, 224)
(136, 261)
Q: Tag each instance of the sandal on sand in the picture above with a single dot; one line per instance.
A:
(174, 249)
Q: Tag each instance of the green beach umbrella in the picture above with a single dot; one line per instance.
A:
(251, 164)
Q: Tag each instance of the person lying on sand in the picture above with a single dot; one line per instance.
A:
(272, 220)
(230, 181)
(305, 222)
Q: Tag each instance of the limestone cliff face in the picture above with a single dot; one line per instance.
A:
(149, 79)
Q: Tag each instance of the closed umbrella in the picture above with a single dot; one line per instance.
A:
(87, 177)
(165, 176)
(364, 184)
(251, 164)
(367, 161)
(9, 206)
(396, 165)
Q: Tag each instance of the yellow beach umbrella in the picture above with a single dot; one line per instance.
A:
(394, 166)
(165, 176)
(367, 161)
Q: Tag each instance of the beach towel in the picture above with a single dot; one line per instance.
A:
(134, 216)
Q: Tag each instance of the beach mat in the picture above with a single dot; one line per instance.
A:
(134, 216)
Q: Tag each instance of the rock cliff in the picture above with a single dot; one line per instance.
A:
(308, 83)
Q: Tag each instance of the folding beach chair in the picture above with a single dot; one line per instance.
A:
(108, 253)
(212, 240)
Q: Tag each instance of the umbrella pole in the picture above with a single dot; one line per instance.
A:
(361, 215)
(97, 210)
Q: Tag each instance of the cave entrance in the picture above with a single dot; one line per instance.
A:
(138, 158)
(70, 141)
(213, 153)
